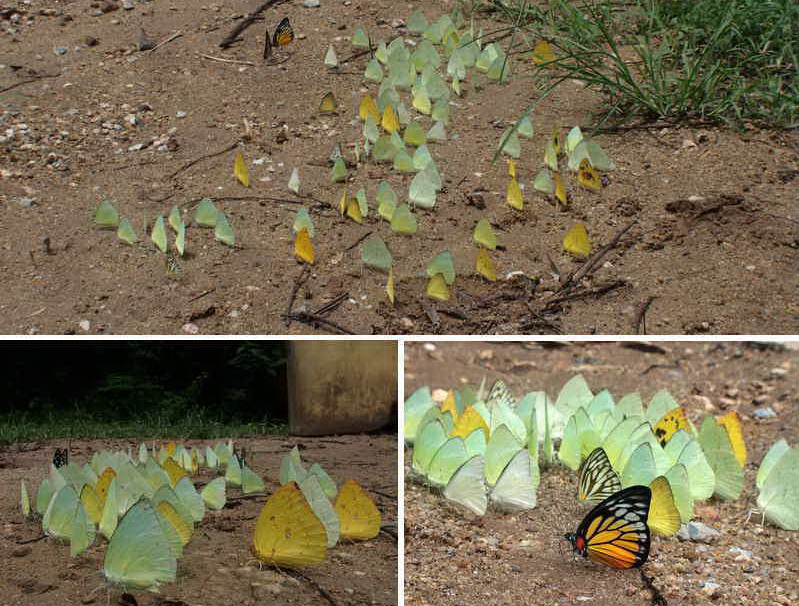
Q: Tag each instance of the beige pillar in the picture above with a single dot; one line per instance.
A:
(341, 386)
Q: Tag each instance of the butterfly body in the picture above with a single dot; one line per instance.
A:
(615, 532)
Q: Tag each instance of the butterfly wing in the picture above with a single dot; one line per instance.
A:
(288, 533)
(139, 555)
(360, 518)
(284, 33)
(669, 424)
(597, 479)
(615, 532)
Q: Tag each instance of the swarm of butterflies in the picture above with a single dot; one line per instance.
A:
(642, 468)
(146, 507)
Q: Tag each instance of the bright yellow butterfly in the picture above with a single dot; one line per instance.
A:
(669, 424)
(354, 210)
(437, 288)
(542, 53)
(101, 486)
(359, 516)
(732, 423)
(368, 108)
(449, 405)
(243, 175)
(664, 517)
(390, 121)
(328, 103)
(587, 175)
(485, 265)
(174, 471)
(180, 525)
(514, 195)
(469, 421)
(576, 241)
(287, 532)
(91, 503)
(560, 190)
(303, 247)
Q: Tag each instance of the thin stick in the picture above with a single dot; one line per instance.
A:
(165, 41)
(330, 306)
(358, 241)
(201, 158)
(599, 290)
(26, 541)
(640, 318)
(36, 79)
(311, 318)
(297, 283)
(589, 265)
(226, 60)
(201, 295)
(246, 22)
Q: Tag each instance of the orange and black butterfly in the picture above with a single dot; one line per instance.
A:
(61, 457)
(615, 532)
(284, 34)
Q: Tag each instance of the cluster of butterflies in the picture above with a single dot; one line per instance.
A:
(643, 469)
(206, 215)
(475, 448)
(393, 135)
(146, 507)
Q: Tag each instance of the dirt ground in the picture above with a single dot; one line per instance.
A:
(218, 566)
(715, 242)
(453, 559)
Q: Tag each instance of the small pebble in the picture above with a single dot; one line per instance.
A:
(21, 551)
(85, 325)
(697, 532)
(128, 5)
(61, 50)
(764, 413)
(191, 328)
(310, 3)
(181, 114)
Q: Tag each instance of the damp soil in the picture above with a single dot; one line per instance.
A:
(453, 558)
(218, 566)
(714, 244)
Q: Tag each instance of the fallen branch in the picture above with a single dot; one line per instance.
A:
(588, 292)
(247, 22)
(165, 41)
(34, 540)
(220, 59)
(331, 305)
(594, 259)
(201, 295)
(314, 319)
(36, 79)
(358, 241)
(297, 283)
(640, 318)
(201, 158)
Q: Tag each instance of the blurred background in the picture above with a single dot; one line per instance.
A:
(198, 389)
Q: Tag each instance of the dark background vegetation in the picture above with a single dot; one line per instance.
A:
(142, 388)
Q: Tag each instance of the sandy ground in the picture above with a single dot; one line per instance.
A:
(218, 566)
(715, 240)
(455, 559)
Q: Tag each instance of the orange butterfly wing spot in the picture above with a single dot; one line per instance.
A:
(587, 175)
(284, 33)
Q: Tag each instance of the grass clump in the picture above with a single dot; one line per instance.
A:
(723, 61)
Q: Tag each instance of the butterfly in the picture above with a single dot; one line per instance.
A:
(284, 34)
(597, 479)
(172, 265)
(360, 518)
(669, 424)
(61, 457)
(288, 533)
(615, 532)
